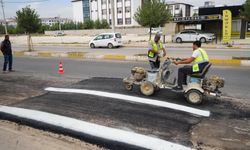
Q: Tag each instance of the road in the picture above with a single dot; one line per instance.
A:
(226, 128)
(237, 78)
(171, 52)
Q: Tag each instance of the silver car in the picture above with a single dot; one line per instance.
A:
(193, 35)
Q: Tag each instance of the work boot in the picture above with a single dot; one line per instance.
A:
(178, 88)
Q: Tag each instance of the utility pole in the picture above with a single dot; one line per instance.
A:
(5, 22)
(113, 15)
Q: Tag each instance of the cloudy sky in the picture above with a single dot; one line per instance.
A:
(63, 8)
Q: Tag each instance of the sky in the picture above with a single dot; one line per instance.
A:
(63, 8)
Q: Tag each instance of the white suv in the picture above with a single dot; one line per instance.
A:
(109, 40)
(193, 35)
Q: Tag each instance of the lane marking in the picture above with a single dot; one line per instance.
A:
(94, 129)
(133, 99)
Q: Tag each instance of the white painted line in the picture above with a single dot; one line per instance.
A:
(134, 99)
(94, 129)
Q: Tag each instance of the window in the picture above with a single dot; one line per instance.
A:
(119, 10)
(128, 21)
(104, 2)
(177, 6)
(119, 1)
(109, 11)
(119, 21)
(127, 9)
(184, 32)
(104, 11)
(117, 35)
(110, 21)
(100, 37)
(105, 36)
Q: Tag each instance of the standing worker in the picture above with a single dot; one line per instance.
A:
(7, 53)
(155, 47)
(199, 60)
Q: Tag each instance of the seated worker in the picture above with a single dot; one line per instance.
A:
(199, 60)
(155, 47)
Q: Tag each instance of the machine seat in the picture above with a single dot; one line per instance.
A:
(203, 73)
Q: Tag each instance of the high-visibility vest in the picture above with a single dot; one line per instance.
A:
(201, 59)
(154, 45)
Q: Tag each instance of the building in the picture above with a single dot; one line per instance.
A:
(101, 9)
(55, 20)
(180, 9)
(210, 19)
(10, 22)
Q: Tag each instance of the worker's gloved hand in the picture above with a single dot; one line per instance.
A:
(178, 59)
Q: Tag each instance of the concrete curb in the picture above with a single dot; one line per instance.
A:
(89, 56)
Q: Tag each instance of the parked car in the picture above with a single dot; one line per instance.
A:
(193, 35)
(109, 40)
(59, 33)
(155, 30)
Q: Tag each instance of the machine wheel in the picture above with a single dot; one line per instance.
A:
(179, 40)
(92, 45)
(203, 40)
(194, 97)
(128, 87)
(147, 88)
(110, 45)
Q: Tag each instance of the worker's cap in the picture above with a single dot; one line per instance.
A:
(158, 35)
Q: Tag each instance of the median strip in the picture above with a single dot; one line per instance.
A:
(94, 130)
(134, 99)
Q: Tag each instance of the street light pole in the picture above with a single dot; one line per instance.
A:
(5, 22)
(113, 15)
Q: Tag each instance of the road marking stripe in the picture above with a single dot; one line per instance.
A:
(94, 129)
(133, 99)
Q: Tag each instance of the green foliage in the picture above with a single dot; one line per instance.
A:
(28, 20)
(88, 24)
(105, 24)
(246, 10)
(98, 24)
(153, 13)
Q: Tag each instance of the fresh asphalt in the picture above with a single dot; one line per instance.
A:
(167, 124)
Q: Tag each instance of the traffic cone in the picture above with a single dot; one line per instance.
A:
(61, 71)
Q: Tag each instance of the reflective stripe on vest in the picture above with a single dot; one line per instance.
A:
(154, 48)
(201, 59)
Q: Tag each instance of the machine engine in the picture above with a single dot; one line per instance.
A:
(213, 83)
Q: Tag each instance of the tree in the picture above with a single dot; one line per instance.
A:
(88, 24)
(153, 13)
(105, 24)
(246, 10)
(98, 24)
(29, 22)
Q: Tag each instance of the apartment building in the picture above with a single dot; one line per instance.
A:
(101, 9)
(180, 9)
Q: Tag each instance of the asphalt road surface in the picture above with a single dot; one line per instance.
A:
(226, 128)
(237, 78)
(173, 52)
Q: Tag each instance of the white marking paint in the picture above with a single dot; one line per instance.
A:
(133, 99)
(94, 129)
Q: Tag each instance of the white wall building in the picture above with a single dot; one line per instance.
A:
(52, 21)
(101, 9)
(180, 9)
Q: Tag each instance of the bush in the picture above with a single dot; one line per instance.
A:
(88, 24)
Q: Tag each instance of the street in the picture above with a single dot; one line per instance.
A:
(226, 128)
(171, 52)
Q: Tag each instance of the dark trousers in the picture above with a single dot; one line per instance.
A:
(156, 64)
(182, 74)
(8, 59)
